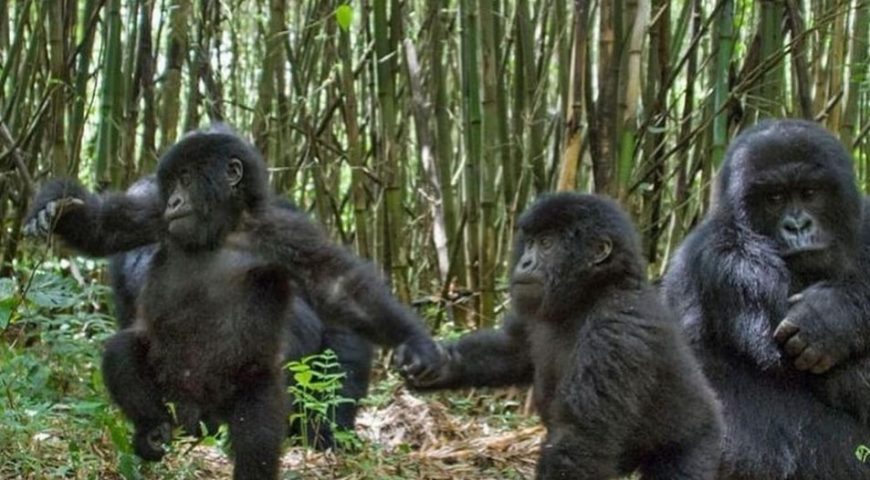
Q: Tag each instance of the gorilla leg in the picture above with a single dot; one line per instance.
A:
(355, 356)
(565, 455)
(257, 430)
(126, 376)
(686, 462)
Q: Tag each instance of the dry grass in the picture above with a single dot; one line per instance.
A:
(411, 437)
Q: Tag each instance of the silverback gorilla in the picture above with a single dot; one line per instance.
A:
(773, 294)
(211, 322)
(614, 381)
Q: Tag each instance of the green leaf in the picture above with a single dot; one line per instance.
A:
(303, 378)
(344, 16)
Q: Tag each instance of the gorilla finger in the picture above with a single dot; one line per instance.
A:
(797, 297)
(807, 359)
(795, 346)
(824, 364)
(46, 219)
(71, 202)
(785, 330)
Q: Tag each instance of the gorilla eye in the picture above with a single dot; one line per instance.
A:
(184, 178)
(808, 193)
(546, 243)
(775, 197)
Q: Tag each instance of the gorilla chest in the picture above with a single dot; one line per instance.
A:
(552, 347)
(198, 294)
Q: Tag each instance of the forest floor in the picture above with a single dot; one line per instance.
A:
(414, 437)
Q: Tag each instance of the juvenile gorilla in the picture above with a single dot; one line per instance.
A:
(614, 381)
(211, 323)
(308, 334)
(773, 294)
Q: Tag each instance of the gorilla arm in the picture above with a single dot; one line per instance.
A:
(486, 358)
(95, 225)
(344, 289)
(729, 297)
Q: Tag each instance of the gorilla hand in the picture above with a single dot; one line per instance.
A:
(54, 200)
(424, 363)
(806, 333)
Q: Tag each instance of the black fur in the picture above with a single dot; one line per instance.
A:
(128, 271)
(615, 383)
(211, 329)
(791, 371)
(308, 336)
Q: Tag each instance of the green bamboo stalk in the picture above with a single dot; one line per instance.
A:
(472, 132)
(176, 50)
(724, 39)
(443, 144)
(836, 66)
(274, 59)
(490, 159)
(110, 116)
(385, 50)
(858, 64)
(59, 78)
(355, 154)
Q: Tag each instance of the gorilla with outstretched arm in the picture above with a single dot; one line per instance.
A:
(614, 381)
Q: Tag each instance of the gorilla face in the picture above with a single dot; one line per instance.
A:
(795, 214)
(792, 183)
(568, 247)
(204, 190)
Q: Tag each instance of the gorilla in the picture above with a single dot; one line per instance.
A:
(614, 381)
(210, 330)
(773, 295)
(308, 334)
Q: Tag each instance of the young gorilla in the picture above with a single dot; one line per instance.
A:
(773, 293)
(614, 382)
(308, 334)
(211, 321)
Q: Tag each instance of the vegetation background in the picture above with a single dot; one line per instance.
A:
(416, 131)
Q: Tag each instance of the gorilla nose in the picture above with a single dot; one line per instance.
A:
(174, 202)
(797, 224)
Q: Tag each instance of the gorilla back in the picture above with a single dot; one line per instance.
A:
(772, 292)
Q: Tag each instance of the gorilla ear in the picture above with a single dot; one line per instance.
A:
(235, 171)
(601, 250)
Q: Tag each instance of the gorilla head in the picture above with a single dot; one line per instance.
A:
(792, 183)
(567, 243)
(206, 181)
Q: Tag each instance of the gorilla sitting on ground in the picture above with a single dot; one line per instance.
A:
(773, 293)
(211, 324)
(614, 381)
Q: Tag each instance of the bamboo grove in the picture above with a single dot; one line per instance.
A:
(417, 130)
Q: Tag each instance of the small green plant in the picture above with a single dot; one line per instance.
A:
(863, 453)
(316, 387)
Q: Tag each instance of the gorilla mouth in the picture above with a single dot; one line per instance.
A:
(526, 293)
(806, 249)
(526, 281)
(805, 245)
(176, 215)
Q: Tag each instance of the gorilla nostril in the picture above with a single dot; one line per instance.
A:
(797, 225)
